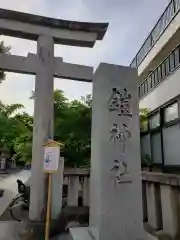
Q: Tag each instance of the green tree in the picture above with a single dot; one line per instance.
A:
(23, 147)
(13, 126)
(3, 49)
(22, 144)
(72, 127)
(8, 125)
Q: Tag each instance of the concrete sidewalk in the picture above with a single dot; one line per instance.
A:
(61, 237)
(12, 230)
(9, 230)
(9, 185)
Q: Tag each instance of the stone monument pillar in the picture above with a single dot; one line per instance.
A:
(116, 199)
(115, 185)
(43, 123)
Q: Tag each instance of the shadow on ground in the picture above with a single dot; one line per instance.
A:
(6, 216)
(69, 217)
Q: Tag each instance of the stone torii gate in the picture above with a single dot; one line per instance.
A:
(46, 31)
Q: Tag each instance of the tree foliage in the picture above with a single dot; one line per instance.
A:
(10, 127)
(72, 127)
(3, 49)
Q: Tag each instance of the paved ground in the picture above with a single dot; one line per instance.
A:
(62, 237)
(8, 230)
(8, 183)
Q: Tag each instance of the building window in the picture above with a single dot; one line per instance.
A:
(171, 112)
(146, 87)
(144, 125)
(172, 62)
(149, 83)
(167, 66)
(171, 139)
(159, 74)
(141, 90)
(177, 5)
(145, 145)
(163, 70)
(177, 56)
(156, 147)
(156, 80)
(154, 121)
(153, 79)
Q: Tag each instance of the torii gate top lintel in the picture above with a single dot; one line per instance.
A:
(43, 64)
(29, 26)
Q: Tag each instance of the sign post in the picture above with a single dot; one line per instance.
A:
(50, 165)
(48, 211)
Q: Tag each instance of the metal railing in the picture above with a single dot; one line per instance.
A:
(171, 62)
(172, 9)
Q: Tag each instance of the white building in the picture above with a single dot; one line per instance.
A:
(158, 63)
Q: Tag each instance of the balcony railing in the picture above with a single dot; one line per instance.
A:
(170, 63)
(172, 9)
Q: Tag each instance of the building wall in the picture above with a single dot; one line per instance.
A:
(160, 94)
(161, 44)
(165, 91)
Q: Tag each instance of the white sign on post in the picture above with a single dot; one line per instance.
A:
(51, 159)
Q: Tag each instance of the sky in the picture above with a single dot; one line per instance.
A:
(130, 22)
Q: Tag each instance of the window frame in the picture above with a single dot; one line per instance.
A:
(172, 61)
(168, 107)
(163, 69)
(177, 53)
(159, 129)
(149, 119)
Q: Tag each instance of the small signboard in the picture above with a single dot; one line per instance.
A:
(50, 165)
(51, 156)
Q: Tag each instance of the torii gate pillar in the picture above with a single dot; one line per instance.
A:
(43, 121)
(46, 31)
